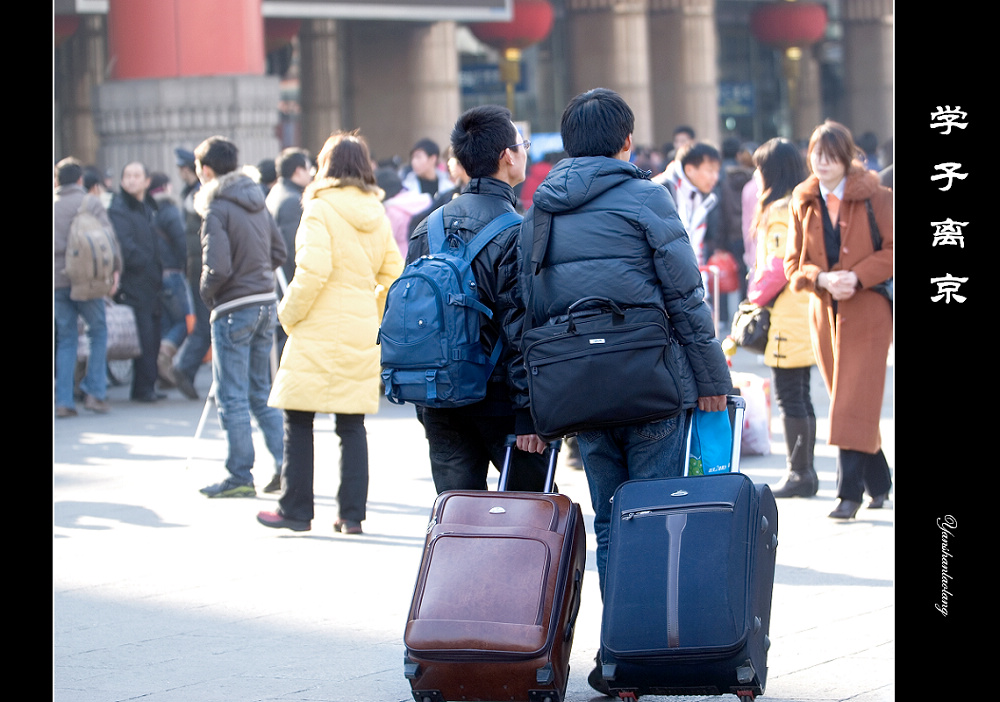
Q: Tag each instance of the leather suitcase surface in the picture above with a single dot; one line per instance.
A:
(688, 592)
(496, 598)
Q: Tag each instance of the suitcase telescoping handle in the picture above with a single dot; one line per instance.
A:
(736, 407)
(550, 475)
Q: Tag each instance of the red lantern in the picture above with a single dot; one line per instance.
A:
(65, 26)
(530, 23)
(786, 24)
(278, 32)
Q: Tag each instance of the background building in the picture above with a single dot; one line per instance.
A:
(134, 80)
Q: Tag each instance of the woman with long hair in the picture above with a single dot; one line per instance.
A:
(832, 254)
(345, 260)
(789, 353)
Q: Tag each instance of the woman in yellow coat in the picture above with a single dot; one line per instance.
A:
(345, 260)
(789, 352)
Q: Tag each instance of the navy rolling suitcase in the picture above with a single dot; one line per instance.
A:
(687, 599)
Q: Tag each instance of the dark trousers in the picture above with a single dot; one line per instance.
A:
(147, 321)
(296, 501)
(792, 392)
(462, 448)
(858, 473)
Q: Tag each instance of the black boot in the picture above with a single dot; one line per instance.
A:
(800, 441)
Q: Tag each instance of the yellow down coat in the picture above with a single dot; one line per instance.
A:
(345, 260)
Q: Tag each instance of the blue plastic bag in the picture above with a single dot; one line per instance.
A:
(711, 443)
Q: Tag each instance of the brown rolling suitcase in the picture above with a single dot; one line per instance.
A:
(497, 595)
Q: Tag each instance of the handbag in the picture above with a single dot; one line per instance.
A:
(885, 288)
(123, 334)
(750, 326)
(711, 447)
(599, 366)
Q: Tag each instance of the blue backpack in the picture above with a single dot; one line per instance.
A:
(432, 355)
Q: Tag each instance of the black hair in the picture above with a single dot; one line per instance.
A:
(290, 160)
(428, 146)
(684, 129)
(596, 123)
(480, 136)
(693, 154)
(781, 167)
(219, 154)
(69, 171)
(267, 170)
(92, 176)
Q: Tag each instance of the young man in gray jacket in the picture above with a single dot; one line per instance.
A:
(241, 247)
(616, 234)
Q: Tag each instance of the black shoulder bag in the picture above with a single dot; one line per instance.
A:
(885, 287)
(600, 365)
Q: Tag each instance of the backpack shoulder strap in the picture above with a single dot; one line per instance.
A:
(873, 226)
(435, 231)
(489, 232)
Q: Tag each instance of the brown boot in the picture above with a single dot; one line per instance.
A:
(164, 362)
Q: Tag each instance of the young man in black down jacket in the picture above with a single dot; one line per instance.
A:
(616, 234)
(464, 440)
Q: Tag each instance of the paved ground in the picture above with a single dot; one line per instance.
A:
(163, 595)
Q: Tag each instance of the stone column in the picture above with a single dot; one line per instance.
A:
(805, 101)
(868, 58)
(609, 48)
(80, 64)
(433, 68)
(182, 71)
(401, 84)
(684, 68)
(320, 81)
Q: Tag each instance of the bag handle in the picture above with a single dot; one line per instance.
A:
(596, 298)
(510, 444)
(603, 302)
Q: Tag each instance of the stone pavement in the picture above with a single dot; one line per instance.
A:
(163, 595)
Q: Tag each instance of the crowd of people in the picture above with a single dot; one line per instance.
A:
(247, 268)
(242, 263)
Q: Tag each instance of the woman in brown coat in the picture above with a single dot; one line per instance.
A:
(830, 253)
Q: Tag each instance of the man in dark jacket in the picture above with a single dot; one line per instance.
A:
(241, 247)
(463, 441)
(284, 202)
(615, 234)
(132, 213)
(192, 352)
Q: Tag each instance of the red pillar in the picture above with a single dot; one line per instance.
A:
(185, 38)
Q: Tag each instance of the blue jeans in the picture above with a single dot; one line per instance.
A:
(198, 342)
(241, 370)
(633, 452)
(176, 307)
(95, 382)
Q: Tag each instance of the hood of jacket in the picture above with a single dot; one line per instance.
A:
(236, 186)
(573, 182)
(359, 203)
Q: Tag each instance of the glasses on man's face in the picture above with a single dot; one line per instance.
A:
(526, 144)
